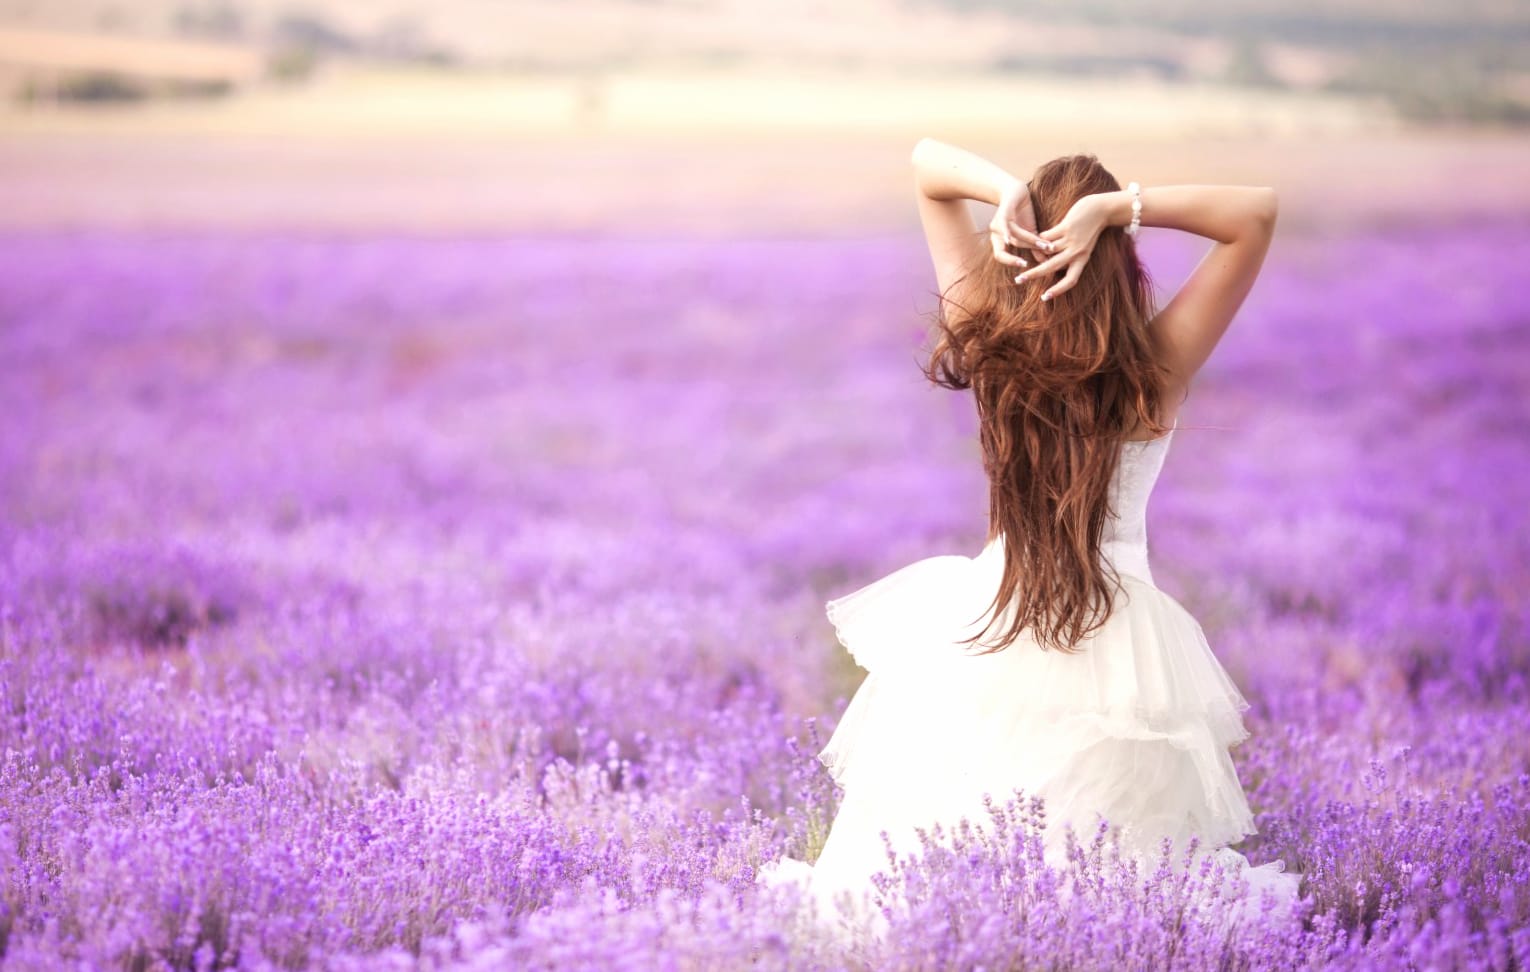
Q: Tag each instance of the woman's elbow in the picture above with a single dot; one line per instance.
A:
(1268, 208)
(921, 149)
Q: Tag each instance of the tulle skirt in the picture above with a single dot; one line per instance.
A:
(1134, 727)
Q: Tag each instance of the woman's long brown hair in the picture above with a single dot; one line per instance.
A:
(1059, 384)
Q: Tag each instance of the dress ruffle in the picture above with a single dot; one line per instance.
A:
(1135, 726)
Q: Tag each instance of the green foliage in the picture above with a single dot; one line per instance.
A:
(1457, 88)
(1248, 66)
(292, 64)
(98, 87)
(1430, 64)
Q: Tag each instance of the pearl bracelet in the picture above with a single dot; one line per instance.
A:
(1136, 223)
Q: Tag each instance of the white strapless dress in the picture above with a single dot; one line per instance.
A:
(1135, 727)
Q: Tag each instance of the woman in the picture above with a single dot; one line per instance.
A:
(1051, 663)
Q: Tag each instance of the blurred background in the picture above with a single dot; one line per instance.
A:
(410, 404)
(738, 116)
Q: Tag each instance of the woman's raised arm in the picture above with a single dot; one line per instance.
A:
(946, 177)
(1241, 219)
(1221, 213)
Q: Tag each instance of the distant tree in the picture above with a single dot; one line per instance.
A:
(1459, 87)
(299, 41)
(208, 88)
(1247, 66)
(1092, 65)
(308, 31)
(94, 87)
(406, 39)
(292, 64)
(220, 20)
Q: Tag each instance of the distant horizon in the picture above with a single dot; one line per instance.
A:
(1478, 52)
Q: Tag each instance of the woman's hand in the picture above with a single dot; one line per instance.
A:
(1014, 224)
(1071, 242)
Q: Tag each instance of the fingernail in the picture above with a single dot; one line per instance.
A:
(1020, 279)
(1046, 296)
(1023, 261)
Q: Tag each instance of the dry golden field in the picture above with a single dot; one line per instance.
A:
(715, 154)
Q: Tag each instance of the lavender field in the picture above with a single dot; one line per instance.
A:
(456, 602)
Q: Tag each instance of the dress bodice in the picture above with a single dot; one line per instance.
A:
(1124, 543)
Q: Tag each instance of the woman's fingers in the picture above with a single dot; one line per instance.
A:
(1069, 279)
(1045, 266)
(1026, 237)
(1007, 258)
(1001, 243)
